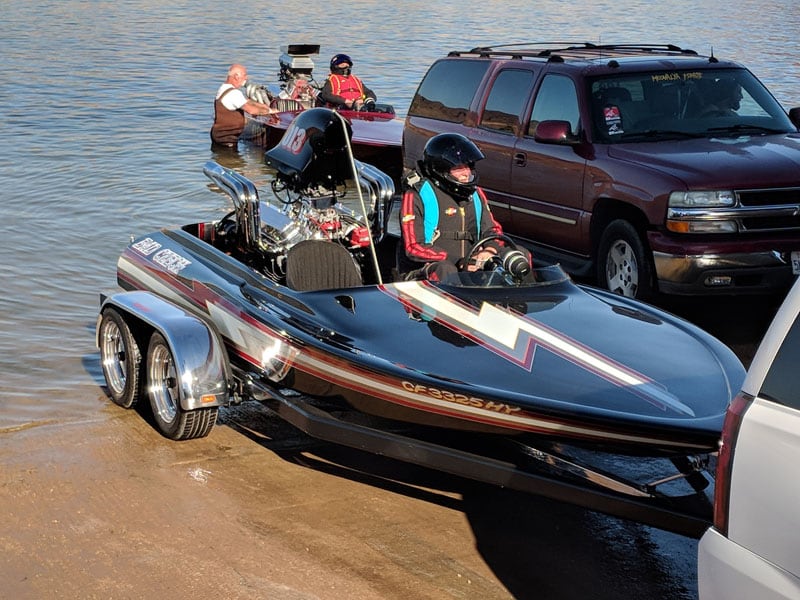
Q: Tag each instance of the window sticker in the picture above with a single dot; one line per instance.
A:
(613, 120)
(669, 77)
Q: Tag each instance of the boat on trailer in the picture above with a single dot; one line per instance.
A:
(517, 377)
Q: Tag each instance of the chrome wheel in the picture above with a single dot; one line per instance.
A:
(164, 390)
(120, 359)
(162, 381)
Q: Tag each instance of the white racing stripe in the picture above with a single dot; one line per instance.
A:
(505, 329)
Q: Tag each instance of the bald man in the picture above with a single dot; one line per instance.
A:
(230, 104)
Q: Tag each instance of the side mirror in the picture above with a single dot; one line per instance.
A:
(555, 132)
(794, 116)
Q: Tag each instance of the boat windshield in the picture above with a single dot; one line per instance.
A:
(540, 276)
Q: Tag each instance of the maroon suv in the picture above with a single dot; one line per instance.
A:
(651, 167)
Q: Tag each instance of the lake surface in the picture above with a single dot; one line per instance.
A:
(106, 108)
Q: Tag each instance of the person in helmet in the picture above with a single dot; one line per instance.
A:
(344, 90)
(444, 213)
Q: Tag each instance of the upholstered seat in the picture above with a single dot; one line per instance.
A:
(321, 265)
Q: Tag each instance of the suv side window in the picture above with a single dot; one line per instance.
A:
(448, 89)
(557, 100)
(781, 383)
(507, 99)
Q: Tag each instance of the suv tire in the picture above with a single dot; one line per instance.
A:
(623, 264)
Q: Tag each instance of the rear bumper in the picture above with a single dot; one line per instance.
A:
(727, 571)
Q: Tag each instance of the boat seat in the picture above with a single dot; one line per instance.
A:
(321, 265)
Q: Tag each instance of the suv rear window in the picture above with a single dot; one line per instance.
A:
(447, 90)
(781, 383)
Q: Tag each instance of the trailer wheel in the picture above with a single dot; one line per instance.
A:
(163, 388)
(121, 359)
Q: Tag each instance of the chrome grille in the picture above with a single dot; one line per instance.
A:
(770, 210)
(769, 197)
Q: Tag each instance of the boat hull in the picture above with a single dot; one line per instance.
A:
(560, 362)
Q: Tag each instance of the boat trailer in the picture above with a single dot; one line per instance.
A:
(546, 473)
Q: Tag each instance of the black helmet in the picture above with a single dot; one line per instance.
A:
(339, 59)
(445, 151)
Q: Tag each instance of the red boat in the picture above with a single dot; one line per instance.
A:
(377, 132)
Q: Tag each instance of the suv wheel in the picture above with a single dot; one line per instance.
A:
(622, 262)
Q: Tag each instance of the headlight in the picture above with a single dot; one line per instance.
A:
(709, 199)
(702, 212)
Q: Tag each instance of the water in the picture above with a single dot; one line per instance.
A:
(106, 108)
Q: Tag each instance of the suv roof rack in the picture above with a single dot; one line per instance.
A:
(574, 49)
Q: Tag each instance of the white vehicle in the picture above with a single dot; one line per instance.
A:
(753, 549)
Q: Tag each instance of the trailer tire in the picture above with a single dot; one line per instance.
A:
(120, 358)
(163, 388)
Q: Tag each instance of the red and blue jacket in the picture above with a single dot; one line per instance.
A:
(436, 226)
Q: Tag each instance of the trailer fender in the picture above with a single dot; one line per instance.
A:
(197, 349)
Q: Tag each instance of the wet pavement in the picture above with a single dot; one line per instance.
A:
(107, 508)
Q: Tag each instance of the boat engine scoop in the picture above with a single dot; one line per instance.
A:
(313, 151)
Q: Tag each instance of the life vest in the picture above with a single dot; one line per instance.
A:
(349, 88)
(228, 124)
(431, 207)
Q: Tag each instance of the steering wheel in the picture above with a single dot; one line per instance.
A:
(514, 262)
(492, 236)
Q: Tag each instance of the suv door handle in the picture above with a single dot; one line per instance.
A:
(520, 158)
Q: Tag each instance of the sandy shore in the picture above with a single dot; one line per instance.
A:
(110, 509)
(97, 504)
(107, 508)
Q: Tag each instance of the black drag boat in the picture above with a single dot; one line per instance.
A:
(292, 302)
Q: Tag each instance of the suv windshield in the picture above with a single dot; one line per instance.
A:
(678, 104)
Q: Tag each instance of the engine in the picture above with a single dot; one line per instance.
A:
(297, 82)
(281, 228)
(314, 167)
(295, 61)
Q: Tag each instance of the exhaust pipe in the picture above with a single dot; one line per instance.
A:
(244, 195)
